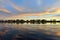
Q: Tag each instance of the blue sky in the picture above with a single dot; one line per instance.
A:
(16, 7)
(31, 5)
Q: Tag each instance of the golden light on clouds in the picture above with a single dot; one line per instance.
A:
(50, 11)
(39, 15)
(58, 10)
(47, 12)
(53, 10)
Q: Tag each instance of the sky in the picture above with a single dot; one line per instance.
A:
(27, 9)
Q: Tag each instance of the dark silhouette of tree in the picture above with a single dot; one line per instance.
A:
(27, 21)
(50, 21)
(43, 21)
(21, 21)
(17, 21)
(54, 21)
(14, 21)
(38, 21)
(10, 21)
(32, 21)
(1, 21)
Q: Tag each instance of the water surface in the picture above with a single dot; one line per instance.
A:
(29, 31)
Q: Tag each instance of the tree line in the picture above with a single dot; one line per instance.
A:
(37, 21)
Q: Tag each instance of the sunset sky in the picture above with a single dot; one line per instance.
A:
(29, 9)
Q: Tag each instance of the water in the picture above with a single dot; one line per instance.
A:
(29, 31)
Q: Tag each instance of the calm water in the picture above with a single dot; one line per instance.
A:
(29, 31)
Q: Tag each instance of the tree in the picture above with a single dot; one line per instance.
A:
(32, 21)
(43, 21)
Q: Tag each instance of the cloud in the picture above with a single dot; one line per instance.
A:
(54, 8)
(15, 6)
(34, 16)
(1, 0)
(39, 2)
(18, 8)
(4, 10)
(2, 16)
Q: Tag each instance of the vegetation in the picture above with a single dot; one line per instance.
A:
(38, 21)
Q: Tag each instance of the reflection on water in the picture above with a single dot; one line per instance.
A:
(29, 32)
